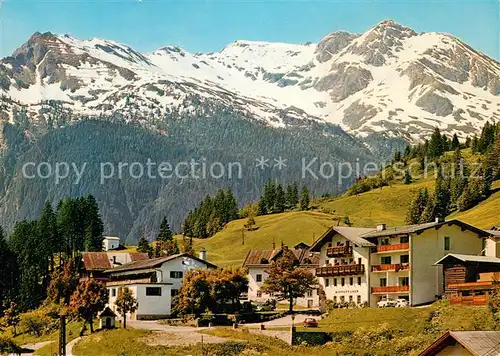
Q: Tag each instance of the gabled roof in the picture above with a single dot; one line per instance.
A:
(468, 258)
(494, 232)
(416, 229)
(352, 234)
(155, 262)
(111, 237)
(478, 343)
(107, 312)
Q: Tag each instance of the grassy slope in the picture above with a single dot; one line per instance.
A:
(226, 248)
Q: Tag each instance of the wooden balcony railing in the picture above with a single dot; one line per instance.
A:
(395, 247)
(339, 251)
(391, 289)
(470, 300)
(341, 270)
(471, 285)
(391, 267)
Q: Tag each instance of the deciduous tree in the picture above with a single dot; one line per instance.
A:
(125, 303)
(89, 298)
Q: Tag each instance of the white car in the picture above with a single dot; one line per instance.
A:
(386, 303)
(401, 303)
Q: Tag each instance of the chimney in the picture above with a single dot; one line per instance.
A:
(381, 227)
(203, 254)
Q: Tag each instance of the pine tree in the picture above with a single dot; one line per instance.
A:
(94, 226)
(295, 195)
(144, 247)
(304, 199)
(436, 145)
(441, 197)
(164, 234)
(280, 200)
(417, 206)
(397, 156)
(47, 224)
(455, 144)
(407, 153)
(429, 213)
(289, 197)
(407, 178)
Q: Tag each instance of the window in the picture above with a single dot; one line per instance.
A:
(358, 299)
(258, 278)
(153, 291)
(259, 294)
(383, 282)
(359, 280)
(386, 260)
(385, 242)
(310, 293)
(446, 243)
(342, 282)
(404, 239)
(342, 299)
(404, 258)
(359, 260)
(351, 298)
(335, 299)
(176, 274)
(327, 282)
(174, 292)
(113, 292)
(335, 282)
(351, 281)
(404, 281)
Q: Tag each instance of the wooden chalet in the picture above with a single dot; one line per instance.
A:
(468, 279)
(464, 343)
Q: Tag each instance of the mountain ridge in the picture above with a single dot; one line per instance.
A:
(388, 80)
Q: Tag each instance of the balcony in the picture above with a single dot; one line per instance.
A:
(391, 267)
(340, 270)
(391, 289)
(339, 251)
(394, 247)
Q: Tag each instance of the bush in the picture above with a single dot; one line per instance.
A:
(7, 346)
(37, 323)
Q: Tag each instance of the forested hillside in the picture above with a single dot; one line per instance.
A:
(132, 207)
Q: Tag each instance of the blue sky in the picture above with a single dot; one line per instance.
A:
(209, 25)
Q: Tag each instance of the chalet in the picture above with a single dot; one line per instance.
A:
(258, 261)
(153, 282)
(95, 263)
(468, 279)
(465, 343)
(364, 265)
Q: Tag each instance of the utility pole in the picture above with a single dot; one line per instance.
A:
(62, 335)
(242, 235)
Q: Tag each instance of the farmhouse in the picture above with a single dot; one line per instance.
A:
(364, 265)
(95, 263)
(258, 261)
(153, 282)
(468, 279)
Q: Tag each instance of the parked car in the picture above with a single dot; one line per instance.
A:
(401, 303)
(310, 323)
(386, 303)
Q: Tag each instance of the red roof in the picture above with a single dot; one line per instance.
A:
(96, 261)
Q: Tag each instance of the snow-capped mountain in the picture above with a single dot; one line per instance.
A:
(389, 79)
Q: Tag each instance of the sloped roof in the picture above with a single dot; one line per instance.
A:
(95, 261)
(256, 257)
(468, 258)
(100, 261)
(352, 234)
(478, 343)
(411, 229)
(495, 233)
(154, 262)
(111, 237)
(107, 312)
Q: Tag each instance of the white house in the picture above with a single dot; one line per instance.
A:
(363, 265)
(258, 261)
(110, 243)
(153, 282)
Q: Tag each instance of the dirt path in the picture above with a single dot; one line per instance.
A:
(33, 347)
